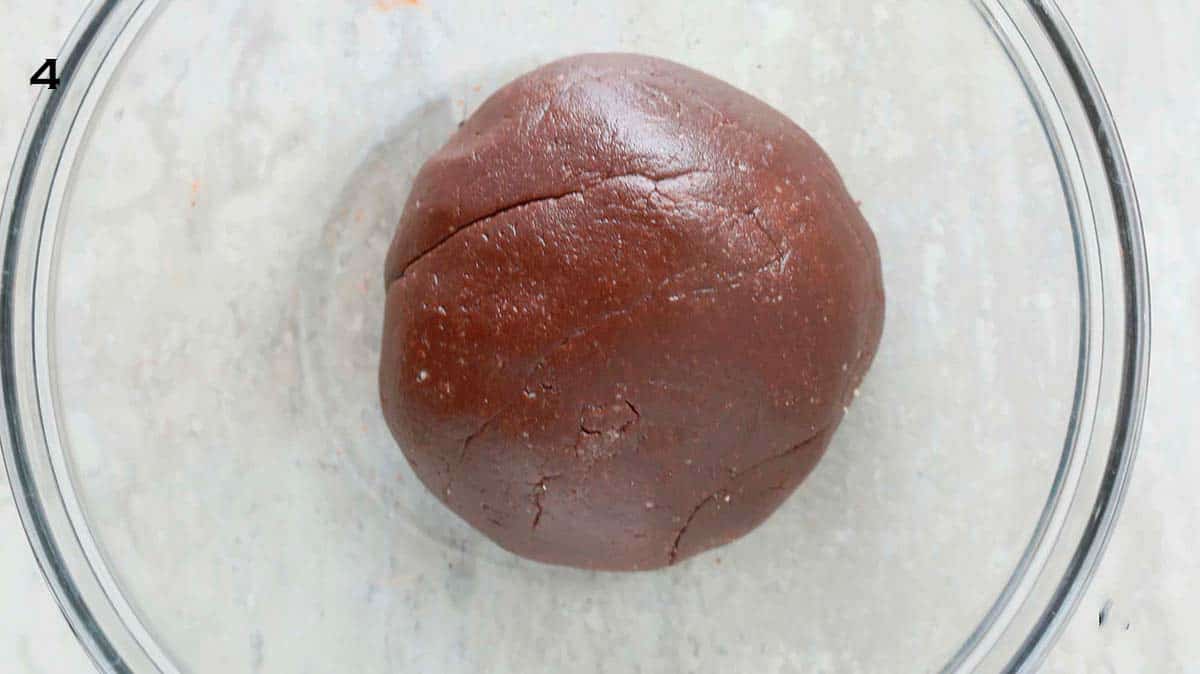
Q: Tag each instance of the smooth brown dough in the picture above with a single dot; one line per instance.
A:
(627, 305)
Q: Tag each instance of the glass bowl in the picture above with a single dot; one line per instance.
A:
(192, 298)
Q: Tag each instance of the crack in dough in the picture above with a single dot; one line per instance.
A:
(672, 555)
(533, 201)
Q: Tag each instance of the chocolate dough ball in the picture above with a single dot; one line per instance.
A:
(627, 306)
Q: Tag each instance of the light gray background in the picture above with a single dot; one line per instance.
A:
(1146, 58)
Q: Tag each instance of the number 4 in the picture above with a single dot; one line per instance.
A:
(47, 74)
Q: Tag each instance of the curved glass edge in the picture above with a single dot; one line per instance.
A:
(66, 484)
(1131, 319)
(1043, 592)
(47, 524)
(1020, 586)
(109, 641)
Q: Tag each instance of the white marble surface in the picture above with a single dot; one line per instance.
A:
(1148, 581)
